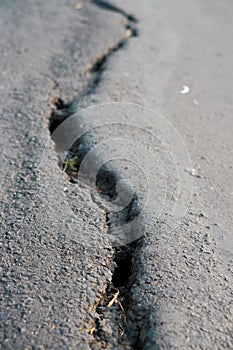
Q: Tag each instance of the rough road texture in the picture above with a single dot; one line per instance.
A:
(177, 287)
(49, 284)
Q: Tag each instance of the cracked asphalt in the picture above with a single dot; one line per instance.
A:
(57, 260)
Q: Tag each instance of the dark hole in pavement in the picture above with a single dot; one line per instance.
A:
(122, 272)
(59, 114)
(106, 181)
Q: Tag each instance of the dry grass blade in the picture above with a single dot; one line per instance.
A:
(114, 299)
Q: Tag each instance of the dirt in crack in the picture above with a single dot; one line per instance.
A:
(113, 322)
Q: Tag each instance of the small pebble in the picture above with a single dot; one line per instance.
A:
(192, 172)
(79, 5)
(185, 90)
(195, 102)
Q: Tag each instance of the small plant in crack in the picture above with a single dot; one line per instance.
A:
(70, 164)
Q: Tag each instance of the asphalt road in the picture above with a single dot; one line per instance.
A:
(148, 85)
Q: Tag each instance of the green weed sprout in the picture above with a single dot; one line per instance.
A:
(71, 162)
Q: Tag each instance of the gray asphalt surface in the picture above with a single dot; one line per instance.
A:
(173, 286)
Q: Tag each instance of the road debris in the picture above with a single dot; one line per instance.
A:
(185, 90)
(195, 102)
(79, 6)
(192, 172)
(116, 300)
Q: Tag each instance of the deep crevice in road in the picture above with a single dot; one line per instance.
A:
(116, 312)
(113, 307)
